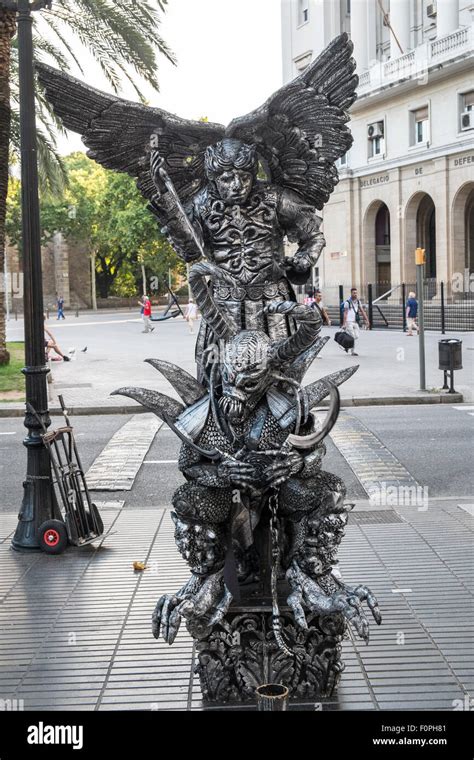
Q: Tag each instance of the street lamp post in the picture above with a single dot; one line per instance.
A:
(420, 272)
(38, 500)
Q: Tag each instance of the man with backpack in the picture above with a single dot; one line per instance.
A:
(353, 313)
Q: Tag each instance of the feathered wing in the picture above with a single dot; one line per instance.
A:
(301, 130)
(119, 134)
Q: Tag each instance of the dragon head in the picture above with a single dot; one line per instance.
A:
(245, 374)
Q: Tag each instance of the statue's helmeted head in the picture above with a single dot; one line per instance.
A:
(232, 165)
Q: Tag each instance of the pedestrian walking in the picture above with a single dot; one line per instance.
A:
(60, 307)
(353, 313)
(411, 313)
(309, 299)
(145, 311)
(191, 314)
(319, 305)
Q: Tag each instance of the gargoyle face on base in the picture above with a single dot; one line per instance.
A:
(246, 374)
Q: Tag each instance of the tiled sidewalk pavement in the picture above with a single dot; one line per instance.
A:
(75, 629)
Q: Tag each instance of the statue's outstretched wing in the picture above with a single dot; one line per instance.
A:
(119, 134)
(301, 130)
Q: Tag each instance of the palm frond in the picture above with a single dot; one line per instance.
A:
(122, 36)
(51, 170)
(116, 34)
(44, 47)
(67, 46)
(52, 174)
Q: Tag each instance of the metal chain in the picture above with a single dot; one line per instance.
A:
(276, 619)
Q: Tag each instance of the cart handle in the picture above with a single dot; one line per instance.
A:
(64, 410)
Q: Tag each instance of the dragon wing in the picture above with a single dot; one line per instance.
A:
(120, 134)
(301, 131)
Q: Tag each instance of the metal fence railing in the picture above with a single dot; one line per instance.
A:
(445, 308)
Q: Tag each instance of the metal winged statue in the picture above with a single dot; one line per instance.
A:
(257, 519)
(201, 181)
(299, 132)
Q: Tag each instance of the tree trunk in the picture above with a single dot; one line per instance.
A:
(7, 30)
(93, 287)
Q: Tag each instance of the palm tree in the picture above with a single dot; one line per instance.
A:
(121, 35)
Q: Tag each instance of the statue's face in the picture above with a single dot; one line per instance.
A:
(234, 186)
(245, 375)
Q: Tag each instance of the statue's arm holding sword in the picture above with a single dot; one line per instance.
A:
(184, 234)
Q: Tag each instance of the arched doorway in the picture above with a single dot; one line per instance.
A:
(382, 250)
(420, 232)
(376, 247)
(469, 233)
(426, 234)
(463, 231)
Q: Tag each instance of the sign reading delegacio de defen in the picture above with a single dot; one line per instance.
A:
(464, 160)
(379, 180)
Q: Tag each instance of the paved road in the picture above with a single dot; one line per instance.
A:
(117, 348)
(432, 442)
(92, 433)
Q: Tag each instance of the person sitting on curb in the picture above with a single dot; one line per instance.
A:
(51, 343)
(353, 310)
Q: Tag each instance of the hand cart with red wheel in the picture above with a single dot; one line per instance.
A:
(81, 523)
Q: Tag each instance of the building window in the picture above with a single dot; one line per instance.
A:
(343, 161)
(420, 126)
(303, 12)
(376, 139)
(467, 111)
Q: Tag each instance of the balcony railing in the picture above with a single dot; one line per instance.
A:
(451, 44)
(399, 67)
(416, 63)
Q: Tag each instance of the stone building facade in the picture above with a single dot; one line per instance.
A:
(66, 272)
(408, 179)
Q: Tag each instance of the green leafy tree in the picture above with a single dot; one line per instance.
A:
(121, 35)
(104, 210)
(134, 231)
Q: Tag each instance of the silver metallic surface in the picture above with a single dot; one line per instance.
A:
(256, 518)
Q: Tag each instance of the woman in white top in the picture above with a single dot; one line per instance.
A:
(191, 314)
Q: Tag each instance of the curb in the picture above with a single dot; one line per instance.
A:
(82, 411)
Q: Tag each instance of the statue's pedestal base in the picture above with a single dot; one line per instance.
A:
(241, 653)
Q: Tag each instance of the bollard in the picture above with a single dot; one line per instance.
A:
(443, 317)
(404, 310)
(272, 697)
(371, 309)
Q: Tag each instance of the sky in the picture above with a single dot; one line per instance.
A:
(229, 60)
